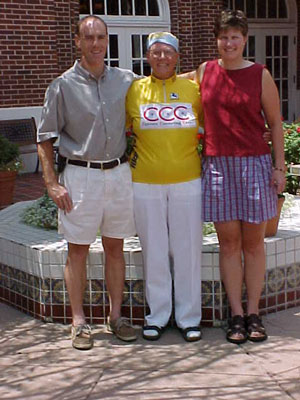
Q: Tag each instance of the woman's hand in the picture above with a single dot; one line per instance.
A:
(278, 180)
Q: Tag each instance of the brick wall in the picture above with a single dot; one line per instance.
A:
(298, 47)
(192, 21)
(36, 42)
(36, 45)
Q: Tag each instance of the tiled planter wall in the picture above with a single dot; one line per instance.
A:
(32, 263)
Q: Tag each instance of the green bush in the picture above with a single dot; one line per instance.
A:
(9, 155)
(292, 153)
(42, 214)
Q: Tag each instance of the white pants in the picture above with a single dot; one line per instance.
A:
(101, 199)
(168, 222)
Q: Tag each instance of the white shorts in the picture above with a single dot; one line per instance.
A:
(101, 200)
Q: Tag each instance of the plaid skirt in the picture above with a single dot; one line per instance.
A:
(238, 188)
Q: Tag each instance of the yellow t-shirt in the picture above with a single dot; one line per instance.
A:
(164, 116)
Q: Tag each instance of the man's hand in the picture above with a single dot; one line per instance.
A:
(57, 192)
(60, 196)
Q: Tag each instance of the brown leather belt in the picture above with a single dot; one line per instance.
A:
(99, 165)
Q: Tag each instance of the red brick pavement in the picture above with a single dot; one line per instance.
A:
(29, 186)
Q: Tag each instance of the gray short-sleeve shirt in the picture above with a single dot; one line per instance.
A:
(88, 115)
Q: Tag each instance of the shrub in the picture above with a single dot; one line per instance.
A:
(292, 153)
(9, 155)
(42, 214)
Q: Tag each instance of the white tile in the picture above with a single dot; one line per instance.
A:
(55, 257)
(270, 248)
(36, 257)
(290, 244)
(134, 272)
(216, 274)
(94, 257)
(207, 273)
(45, 257)
(56, 271)
(17, 262)
(5, 258)
(127, 257)
(297, 242)
(136, 258)
(216, 258)
(207, 259)
(9, 260)
(44, 271)
(280, 259)
(271, 262)
(290, 257)
(280, 246)
(23, 252)
(35, 268)
(95, 272)
(63, 256)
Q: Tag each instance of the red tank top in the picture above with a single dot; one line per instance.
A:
(233, 120)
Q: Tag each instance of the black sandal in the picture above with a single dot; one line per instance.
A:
(155, 328)
(255, 326)
(188, 338)
(236, 325)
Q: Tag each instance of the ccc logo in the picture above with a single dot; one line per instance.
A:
(166, 113)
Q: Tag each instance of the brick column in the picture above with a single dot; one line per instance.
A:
(192, 21)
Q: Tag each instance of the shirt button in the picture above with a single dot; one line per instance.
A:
(108, 138)
(107, 120)
(103, 102)
(107, 155)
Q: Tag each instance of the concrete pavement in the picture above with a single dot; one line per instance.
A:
(38, 362)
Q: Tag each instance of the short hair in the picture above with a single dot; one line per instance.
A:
(231, 19)
(80, 22)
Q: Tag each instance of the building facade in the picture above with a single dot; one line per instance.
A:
(37, 41)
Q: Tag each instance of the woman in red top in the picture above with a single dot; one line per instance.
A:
(240, 185)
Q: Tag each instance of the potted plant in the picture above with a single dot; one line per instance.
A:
(10, 164)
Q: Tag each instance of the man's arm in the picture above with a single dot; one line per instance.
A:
(57, 192)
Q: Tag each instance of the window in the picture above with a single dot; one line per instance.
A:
(139, 64)
(120, 7)
(112, 56)
(260, 9)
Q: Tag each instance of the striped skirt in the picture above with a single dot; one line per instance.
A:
(238, 188)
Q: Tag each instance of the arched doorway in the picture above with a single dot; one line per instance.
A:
(129, 23)
(272, 41)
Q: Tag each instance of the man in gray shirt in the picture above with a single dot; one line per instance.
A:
(85, 108)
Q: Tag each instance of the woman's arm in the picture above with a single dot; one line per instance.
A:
(195, 75)
(271, 109)
(189, 75)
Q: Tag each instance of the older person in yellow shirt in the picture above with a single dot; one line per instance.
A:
(163, 110)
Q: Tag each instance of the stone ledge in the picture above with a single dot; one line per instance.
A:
(32, 263)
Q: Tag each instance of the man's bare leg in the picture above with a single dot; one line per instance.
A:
(115, 278)
(75, 277)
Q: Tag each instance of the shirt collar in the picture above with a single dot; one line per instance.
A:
(82, 71)
(169, 80)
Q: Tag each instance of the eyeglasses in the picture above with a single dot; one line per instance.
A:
(166, 53)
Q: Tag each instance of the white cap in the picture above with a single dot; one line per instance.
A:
(162, 37)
